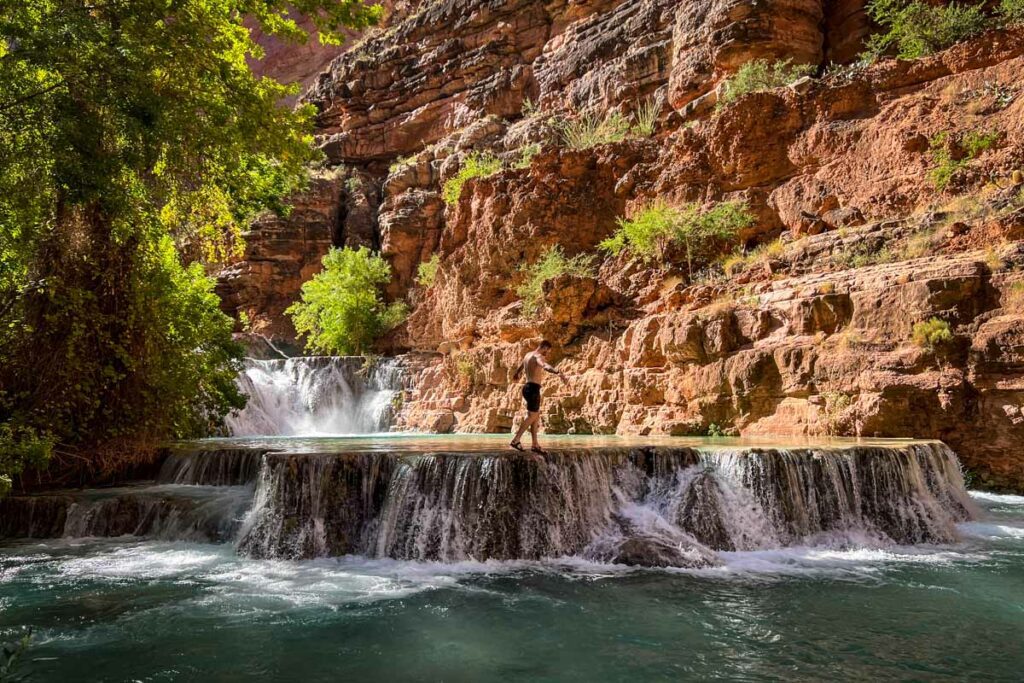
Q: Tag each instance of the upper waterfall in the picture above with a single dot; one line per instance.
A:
(316, 396)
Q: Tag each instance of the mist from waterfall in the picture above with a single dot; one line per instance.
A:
(315, 396)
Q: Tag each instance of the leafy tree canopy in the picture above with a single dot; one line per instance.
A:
(342, 310)
(134, 139)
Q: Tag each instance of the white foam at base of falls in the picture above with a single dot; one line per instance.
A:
(320, 395)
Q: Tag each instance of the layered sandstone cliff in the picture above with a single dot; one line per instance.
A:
(813, 335)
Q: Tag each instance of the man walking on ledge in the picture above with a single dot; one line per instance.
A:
(534, 365)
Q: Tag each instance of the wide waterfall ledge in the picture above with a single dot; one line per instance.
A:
(665, 502)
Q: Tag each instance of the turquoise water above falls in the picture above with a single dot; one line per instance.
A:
(131, 609)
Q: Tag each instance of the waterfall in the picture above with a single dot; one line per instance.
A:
(652, 505)
(316, 395)
(659, 506)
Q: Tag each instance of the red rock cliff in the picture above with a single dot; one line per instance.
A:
(812, 335)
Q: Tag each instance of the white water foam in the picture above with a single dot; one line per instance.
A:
(316, 396)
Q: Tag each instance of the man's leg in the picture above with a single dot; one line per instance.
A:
(523, 426)
(534, 423)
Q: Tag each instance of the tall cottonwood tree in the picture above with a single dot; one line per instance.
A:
(130, 130)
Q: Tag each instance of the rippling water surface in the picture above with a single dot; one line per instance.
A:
(147, 610)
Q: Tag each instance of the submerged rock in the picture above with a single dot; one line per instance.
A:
(646, 551)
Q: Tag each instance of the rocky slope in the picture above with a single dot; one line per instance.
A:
(811, 334)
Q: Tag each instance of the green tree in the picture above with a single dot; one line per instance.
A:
(133, 138)
(342, 310)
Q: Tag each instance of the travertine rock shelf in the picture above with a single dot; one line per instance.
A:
(641, 505)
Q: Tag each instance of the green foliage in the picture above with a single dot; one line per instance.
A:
(400, 163)
(590, 130)
(20, 448)
(700, 233)
(741, 261)
(476, 165)
(426, 273)
(761, 74)
(551, 264)
(914, 29)
(647, 234)
(529, 108)
(134, 138)
(715, 431)
(466, 368)
(645, 117)
(932, 333)
(1012, 11)
(950, 157)
(342, 310)
(526, 154)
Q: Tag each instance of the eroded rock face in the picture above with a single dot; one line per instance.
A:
(813, 339)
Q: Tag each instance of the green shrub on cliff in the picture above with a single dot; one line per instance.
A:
(913, 29)
(1012, 11)
(552, 263)
(342, 310)
(426, 272)
(932, 333)
(760, 74)
(952, 156)
(590, 130)
(476, 165)
(701, 233)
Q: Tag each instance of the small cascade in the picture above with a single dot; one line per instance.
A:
(651, 506)
(316, 395)
(187, 513)
(655, 506)
(198, 496)
(220, 467)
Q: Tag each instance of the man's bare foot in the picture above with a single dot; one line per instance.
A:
(518, 446)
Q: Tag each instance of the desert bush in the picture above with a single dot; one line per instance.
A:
(645, 117)
(426, 272)
(648, 234)
(1012, 11)
(741, 261)
(590, 130)
(913, 29)
(342, 309)
(475, 165)
(932, 333)
(551, 264)
(971, 145)
(761, 74)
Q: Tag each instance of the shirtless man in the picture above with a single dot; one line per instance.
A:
(535, 364)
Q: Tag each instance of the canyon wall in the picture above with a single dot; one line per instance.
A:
(812, 333)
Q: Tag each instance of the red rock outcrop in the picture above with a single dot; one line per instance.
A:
(814, 335)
